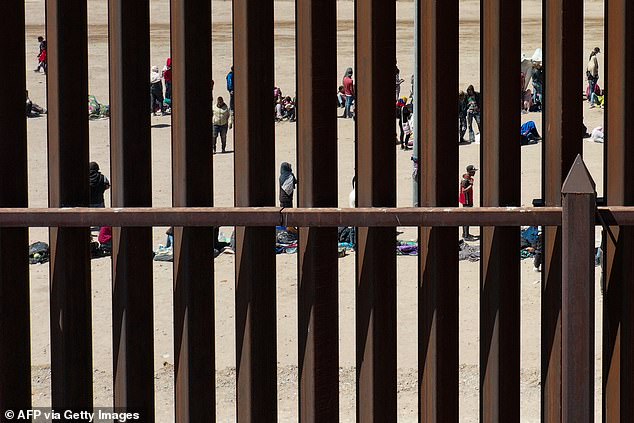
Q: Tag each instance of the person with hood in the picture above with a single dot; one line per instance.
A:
(156, 91)
(167, 77)
(222, 122)
(287, 185)
(98, 185)
(348, 91)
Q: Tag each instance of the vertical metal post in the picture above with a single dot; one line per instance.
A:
(15, 352)
(131, 174)
(577, 312)
(438, 277)
(193, 187)
(618, 324)
(562, 120)
(500, 267)
(67, 93)
(256, 333)
(317, 153)
(375, 33)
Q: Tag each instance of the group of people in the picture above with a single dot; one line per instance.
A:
(160, 103)
(285, 107)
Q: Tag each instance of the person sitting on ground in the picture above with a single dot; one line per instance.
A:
(597, 97)
(105, 240)
(98, 185)
(529, 133)
(288, 106)
(32, 109)
(287, 185)
(156, 92)
(341, 97)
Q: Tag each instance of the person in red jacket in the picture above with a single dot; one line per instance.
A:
(348, 91)
(167, 77)
(466, 197)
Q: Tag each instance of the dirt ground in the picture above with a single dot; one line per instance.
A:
(287, 264)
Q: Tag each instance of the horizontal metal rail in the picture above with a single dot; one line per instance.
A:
(301, 217)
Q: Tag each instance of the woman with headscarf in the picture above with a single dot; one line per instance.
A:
(156, 91)
(287, 185)
(348, 91)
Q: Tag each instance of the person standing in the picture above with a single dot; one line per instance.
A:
(230, 89)
(98, 185)
(462, 115)
(221, 121)
(348, 91)
(287, 185)
(466, 197)
(403, 123)
(473, 111)
(592, 71)
(156, 91)
(167, 77)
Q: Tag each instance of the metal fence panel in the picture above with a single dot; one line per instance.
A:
(192, 186)
(318, 312)
(67, 94)
(438, 260)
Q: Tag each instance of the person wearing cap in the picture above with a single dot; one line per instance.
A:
(466, 197)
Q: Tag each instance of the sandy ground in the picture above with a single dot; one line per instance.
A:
(286, 264)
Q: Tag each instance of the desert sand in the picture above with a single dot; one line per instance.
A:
(287, 264)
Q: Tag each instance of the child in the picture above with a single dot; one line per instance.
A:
(287, 185)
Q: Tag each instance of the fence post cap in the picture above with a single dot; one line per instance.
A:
(579, 180)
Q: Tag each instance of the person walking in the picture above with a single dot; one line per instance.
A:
(466, 197)
(474, 106)
(222, 122)
(348, 91)
(287, 185)
(592, 71)
(230, 88)
(41, 56)
(399, 81)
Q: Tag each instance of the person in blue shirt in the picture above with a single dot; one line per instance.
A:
(230, 88)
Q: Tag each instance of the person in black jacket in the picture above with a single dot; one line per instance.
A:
(287, 185)
(98, 185)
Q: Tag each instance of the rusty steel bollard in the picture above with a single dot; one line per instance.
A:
(577, 317)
